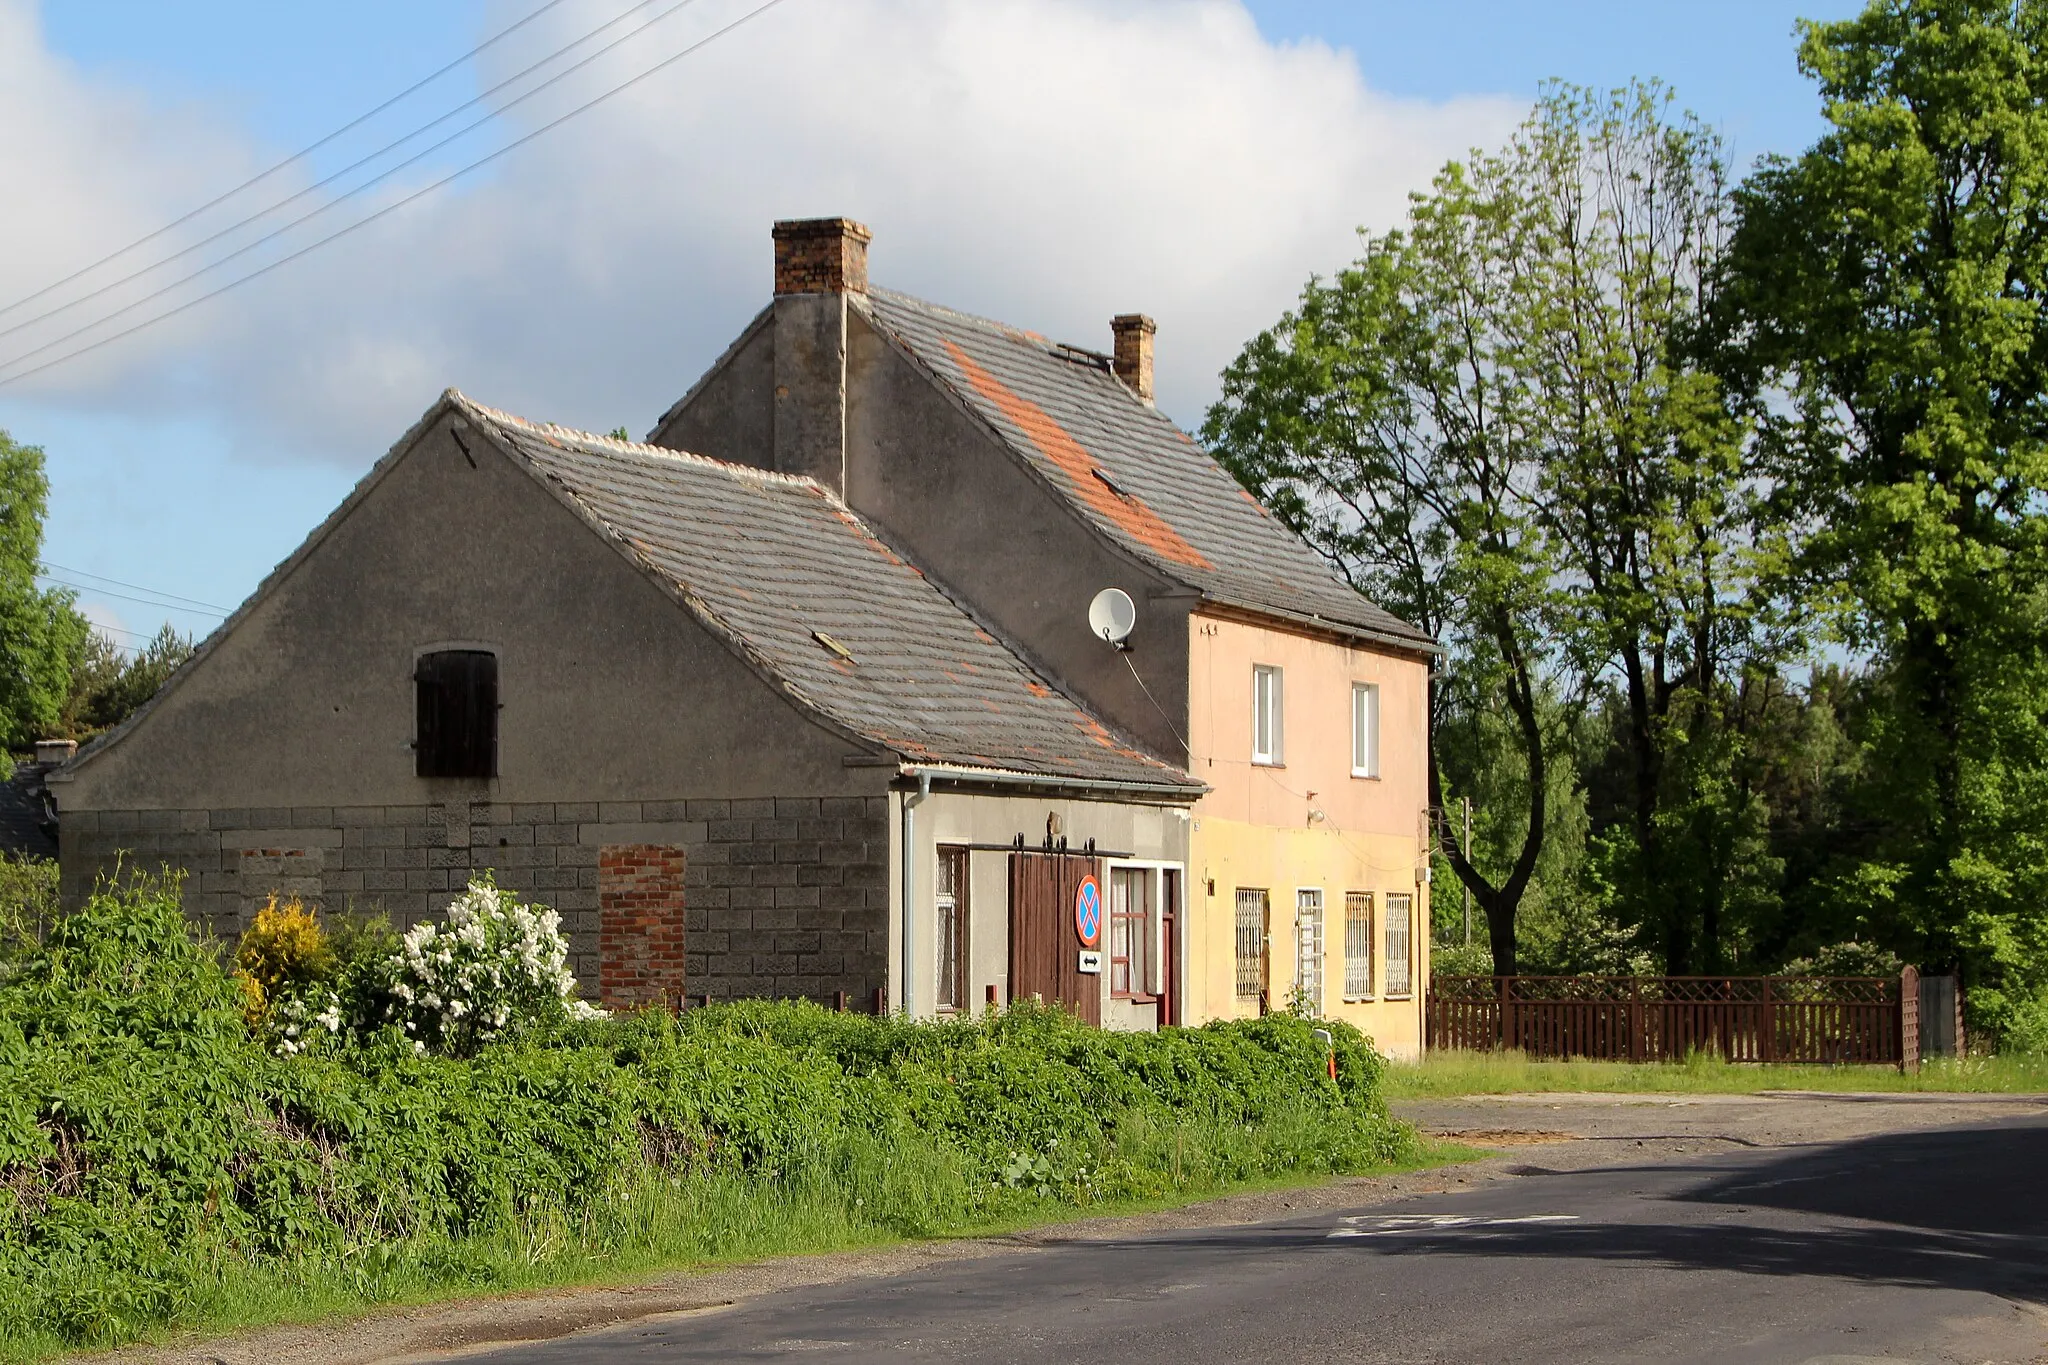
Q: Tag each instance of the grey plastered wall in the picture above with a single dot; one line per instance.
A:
(282, 754)
(729, 414)
(1143, 831)
(972, 513)
(965, 508)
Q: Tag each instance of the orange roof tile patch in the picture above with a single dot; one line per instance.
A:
(1130, 513)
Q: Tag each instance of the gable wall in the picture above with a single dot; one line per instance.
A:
(730, 415)
(281, 760)
(990, 530)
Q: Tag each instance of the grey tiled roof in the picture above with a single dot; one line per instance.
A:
(787, 572)
(1128, 468)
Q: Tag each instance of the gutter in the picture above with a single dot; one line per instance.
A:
(911, 802)
(1008, 777)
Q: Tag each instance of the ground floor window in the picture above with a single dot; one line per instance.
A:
(1251, 943)
(1130, 932)
(1308, 950)
(952, 933)
(1400, 944)
(1358, 945)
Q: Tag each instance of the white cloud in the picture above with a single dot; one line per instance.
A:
(1050, 162)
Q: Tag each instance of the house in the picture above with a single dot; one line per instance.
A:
(800, 697)
(700, 708)
(1028, 475)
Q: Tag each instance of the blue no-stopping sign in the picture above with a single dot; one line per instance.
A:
(1088, 912)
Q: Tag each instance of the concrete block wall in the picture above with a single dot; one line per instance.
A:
(783, 896)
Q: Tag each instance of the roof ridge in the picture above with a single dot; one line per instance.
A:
(1059, 350)
(640, 448)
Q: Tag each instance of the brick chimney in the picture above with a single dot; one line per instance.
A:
(1132, 358)
(819, 264)
(821, 256)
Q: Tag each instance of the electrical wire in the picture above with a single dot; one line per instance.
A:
(393, 207)
(339, 199)
(1126, 654)
(294, 158)
(158, 592)
(448, 179)
(122, 596)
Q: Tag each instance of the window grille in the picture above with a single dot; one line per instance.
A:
(952, 929)
(1269, 719)
(1251, 944)
(1400, 943)
(1358, 945)
(456, 714)
(1365, 730)
(1308, 948)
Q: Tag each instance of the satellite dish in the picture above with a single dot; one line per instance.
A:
(1112, 615)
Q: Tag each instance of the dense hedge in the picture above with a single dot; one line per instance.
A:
(147, 1141)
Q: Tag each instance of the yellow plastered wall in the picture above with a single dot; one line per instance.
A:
(1305, 823)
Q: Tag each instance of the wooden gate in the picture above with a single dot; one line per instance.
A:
(1044, 948)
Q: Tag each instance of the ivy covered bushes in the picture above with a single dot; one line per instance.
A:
(155, 1148)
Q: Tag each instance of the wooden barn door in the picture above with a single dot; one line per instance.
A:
(1044, 949)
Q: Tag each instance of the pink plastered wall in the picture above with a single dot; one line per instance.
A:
(1315, 772)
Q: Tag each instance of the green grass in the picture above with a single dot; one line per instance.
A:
(1444, 1074)
(658, 1227)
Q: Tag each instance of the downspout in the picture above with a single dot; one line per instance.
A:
(911, 801)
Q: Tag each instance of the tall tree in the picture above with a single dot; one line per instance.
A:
(1885, 298)
(1491, 422)
(42, 636)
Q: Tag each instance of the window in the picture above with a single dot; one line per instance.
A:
(456, 691)
(1268, 715)
(1365, 729)
(1308, 948)
(952, 931)
(1358, 945)
(1130, 932)
(1251, 944)
(1399, 942)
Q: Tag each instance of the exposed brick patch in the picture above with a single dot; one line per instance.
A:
(640, 925)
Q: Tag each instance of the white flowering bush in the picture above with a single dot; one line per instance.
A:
(306, 1017)
(493, 965)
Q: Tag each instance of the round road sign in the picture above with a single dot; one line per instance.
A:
(1088, 912)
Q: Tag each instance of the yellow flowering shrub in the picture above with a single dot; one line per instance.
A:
(284, 946)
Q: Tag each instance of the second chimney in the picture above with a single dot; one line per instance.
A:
(1132, 358)
(821, 256)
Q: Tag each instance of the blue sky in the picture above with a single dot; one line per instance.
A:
(193, 462)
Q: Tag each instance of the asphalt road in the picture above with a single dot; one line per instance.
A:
(1928, 1245)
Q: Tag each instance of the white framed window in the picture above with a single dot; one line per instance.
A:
(1308, 947)
(1400, 944)
(1358, 945)
(1269, 720)
(1365, 729)
(1130, 932)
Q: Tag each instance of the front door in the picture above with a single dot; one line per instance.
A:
(1045, 948)
(1169, 952)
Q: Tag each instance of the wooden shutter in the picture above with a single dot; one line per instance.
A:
(457, 714)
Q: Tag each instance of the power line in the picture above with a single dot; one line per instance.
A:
(342, 198)
(295, 157)
(122, 596)
(448, 179)
(158, 592)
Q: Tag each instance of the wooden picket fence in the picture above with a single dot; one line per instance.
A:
(1836, 1019)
